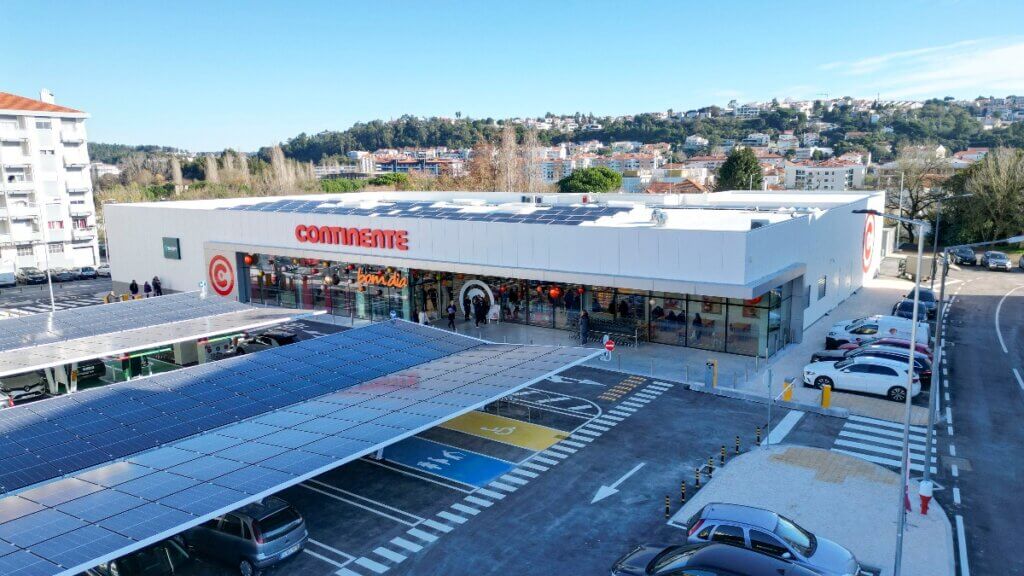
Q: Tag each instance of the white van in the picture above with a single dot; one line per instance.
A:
(871, 327)
(8, 274)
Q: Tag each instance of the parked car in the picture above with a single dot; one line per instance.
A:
(253, 537)
(103, 270)
(708, 559)
(994, 260)
(877, 376)
(5, 400)
(890, 342)
(867, 328)
(21, 387)
(85, 273)
(770, 533)
(165, 558)
(31, 275)
(963, 255)
(268, 339)
(922, 363)
(8, 274)
(1020, 263)
(62, 274)
(928, 302)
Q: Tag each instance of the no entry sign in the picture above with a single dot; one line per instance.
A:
(609, 345)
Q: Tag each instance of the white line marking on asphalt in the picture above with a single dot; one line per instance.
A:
(624, 408)
(506, 487)
(945, 372)
(875, 431)
(358, 505)
(589, 432)
(585, 406)
(556, 454)
(489, 494)
(888, 441)
(534, 466)
(949, 430)
(949, 412)
(945, 395)
(465, 509)
(965, 569)
(635, 405)
(580, 439)
(956, 493)
(427, 536)
(881, 460)
(602, 422)
(618, 418)
(549, 400)
(452, 517)
(666, 384)
(547, 461)
(437, 526)
(576, 444)
(999, 331)
(952, 448)
(785, 426)
(478, 501)
(392, 555)
(365, 499)
(954, 469)
(561, 448)
(593, 426)
(375, 566)
(410, 546)
(421, 477)
(526, 473)
(647, 396)
(335, 550)
(879, 449)
(642, 401)
(514, 480)
(334, 563)
(1016, 374)
(855, 418)
(622, 414)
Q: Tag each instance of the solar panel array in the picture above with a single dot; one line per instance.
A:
(371, 400)
(558, 214)
(36, 329)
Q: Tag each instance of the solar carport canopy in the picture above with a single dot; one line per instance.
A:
(74, 335)
(98, 474)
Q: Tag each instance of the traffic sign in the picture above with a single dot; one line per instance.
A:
(609, 345)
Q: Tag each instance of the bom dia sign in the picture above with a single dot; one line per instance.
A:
(358, 237)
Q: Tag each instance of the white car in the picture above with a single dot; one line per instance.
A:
(869, 375)
(870, 327)
(24, 386)
(103, 270)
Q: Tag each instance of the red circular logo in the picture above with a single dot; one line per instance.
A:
(609, 345)
(869, 244)
(222, 277)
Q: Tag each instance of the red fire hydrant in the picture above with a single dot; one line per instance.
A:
(925, 491)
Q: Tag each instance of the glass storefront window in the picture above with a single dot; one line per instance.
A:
(707, 324)
(669, 322)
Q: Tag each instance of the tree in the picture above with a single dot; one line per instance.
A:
(922, 173)
(996, 183)
(741, 171)
(598, 179)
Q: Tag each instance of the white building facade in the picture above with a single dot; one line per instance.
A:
(47, 212)
(830, 175)
(734, 272)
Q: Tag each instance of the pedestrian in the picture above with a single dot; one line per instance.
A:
(584, 327)
(467, 307)
(698, 328)
(147, 289)
(158, 288)
(451, 316)
(134, 288)
(477, 305)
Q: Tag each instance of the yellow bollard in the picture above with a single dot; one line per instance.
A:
(124, 298)
(682, 492)
(737, 444)
(826, 396)
(696, 479)
(758, 441)
(668, 508)
(721, 461)
(787, 391)
(714, 373)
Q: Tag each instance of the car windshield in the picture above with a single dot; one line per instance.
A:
(31, 270)
(926, 296)
(996, 256)
(854, 324)
(672, 559)
(279, 522)
(843, 364)
(800, 539)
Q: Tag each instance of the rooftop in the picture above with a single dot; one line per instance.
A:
(20, 103)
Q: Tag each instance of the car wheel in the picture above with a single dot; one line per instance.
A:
(897, 394)
(822, 381)
(245, 568)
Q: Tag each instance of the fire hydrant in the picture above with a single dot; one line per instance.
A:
(925, 491)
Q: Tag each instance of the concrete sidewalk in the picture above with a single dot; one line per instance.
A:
(842, 498)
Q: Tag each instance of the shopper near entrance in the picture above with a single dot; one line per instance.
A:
(467, 307)
(134, 288)
(698, 327)
(584, 327)
(147, 289)
(158, 289)
(451, 317)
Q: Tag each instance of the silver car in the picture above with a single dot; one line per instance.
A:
(994, 260)
(252, 537)
(769, 533)
(268, 339)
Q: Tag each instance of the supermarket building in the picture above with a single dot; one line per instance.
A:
(737, 272)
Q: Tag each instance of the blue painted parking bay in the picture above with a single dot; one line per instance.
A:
(447, 461)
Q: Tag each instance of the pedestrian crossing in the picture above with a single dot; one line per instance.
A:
(65, 303)
(881, 442)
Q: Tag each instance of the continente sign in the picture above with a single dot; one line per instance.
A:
(359, 237)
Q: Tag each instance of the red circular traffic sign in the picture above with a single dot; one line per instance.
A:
(609, 345)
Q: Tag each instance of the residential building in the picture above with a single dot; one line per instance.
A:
(757, 140)
(808, 152)
(686, 186)
(971, 155)
(46, 200)
(787, 142)
(434, 167)
(625, 146)
(101, 169)
(832, 174)
(695, 142)
(712, 161)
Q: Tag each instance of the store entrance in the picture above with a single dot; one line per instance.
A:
(476, 302)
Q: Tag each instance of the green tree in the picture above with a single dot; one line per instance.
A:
(996, 184)
(395, 179)
(598, 179)
(741, 171)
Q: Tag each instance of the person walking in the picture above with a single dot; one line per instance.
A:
(698, 328)
(467, 307)
(134, 288)
(158, 288)
(147, 289)
(584, 327)
(451, 316)
(477, 306)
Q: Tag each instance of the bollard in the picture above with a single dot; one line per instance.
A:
(667, 507)
(787, 390)
(758, 436)
(682, 492)
(737, 444)
(696, 479)
(721, 457)
(826, 395)
(711, 467)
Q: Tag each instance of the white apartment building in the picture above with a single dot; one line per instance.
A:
(695, 142)
(46, 202)
(787, 142)
(757, 140)
(832, 174)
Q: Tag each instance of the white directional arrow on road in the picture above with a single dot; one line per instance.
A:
(606, 491)
(566, 380)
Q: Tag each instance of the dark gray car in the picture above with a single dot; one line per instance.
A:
(995, 260)
(252, 537)
(770, 533)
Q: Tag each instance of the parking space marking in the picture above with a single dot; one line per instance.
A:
(358, 505)
(514, 480)
(489, 494)
(425, 536)
(403, 543)
(526, 473)
(467, 490)
(451, 517)
(533, 466)
(465, 509)
(375, 566)
(503, 487)
(449, 462)
(349, 557)
(544, 460)
(438, 526)
(334, 563)
(364, 499)
(505, 430)
(478, 501)
(389, 554)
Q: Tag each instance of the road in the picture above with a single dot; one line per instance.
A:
(987, 409)
(22, 299)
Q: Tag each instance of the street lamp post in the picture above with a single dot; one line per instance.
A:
(46, 252)
(935, 244)
(905, 452)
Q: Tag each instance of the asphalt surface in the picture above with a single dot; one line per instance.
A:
(987, 409)
(35, 298)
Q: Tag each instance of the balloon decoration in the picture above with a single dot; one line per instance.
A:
(555, 292)
(540, 289)
(328, 281)
(249, 259)
(580, 290)
(501, 289)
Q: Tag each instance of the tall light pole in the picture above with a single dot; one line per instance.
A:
(46, 252)
(938, 220)
(905, 453)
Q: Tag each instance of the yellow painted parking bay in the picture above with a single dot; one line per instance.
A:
(506, 430)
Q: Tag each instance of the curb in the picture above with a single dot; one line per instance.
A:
(741, 395)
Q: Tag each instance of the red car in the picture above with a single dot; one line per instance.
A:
(894, 342)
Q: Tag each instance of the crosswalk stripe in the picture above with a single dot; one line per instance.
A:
(656, 387)
(452, 517)
(603, 422)
(619, 413)
(533, 466)
(489, 493)
(610, 417)
(576, 445)
(526, 473)
(425, 536)
(578, 438)
(635, 402)
(513, 480)
(501, 486)
(881, 460)
(881, 431)
(389, 554)
(879, 449)
(594, 426)
(478, 501)
(881, 440)
(648, 396)
(438, 526)
(587, 432)
(465, 509)
(625, 408)
(342, 572)
(544, 460)
(403, 543)
(886, 423)
(371, 565)
(556, 454)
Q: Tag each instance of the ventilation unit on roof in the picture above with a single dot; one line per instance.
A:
(758, 224)
(658, 217)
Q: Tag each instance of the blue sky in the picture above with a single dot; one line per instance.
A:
(209, 75)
